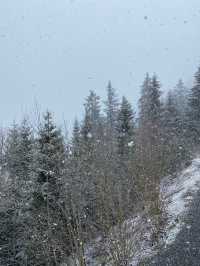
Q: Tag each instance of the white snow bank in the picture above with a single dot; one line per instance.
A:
(177, 194)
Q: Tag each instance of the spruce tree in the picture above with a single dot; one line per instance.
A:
(155, 103)
(180, 94)
(111, 108)
(76, 141)
(194, 110)
(92, 118)
(12, 207)
(94, 150)
(125, 128)
(144, 102)
(150, 150)
(26, 151)
(150, 104)
(150, 116)
(26, 147)
(92, 131)
(12, 152)
(124, 190)
(173, 135)
(171, 117)
(49, 228)
(19, 165)
(111, 112)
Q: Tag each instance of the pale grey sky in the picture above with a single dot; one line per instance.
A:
(56, 51)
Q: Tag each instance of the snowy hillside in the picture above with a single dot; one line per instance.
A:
(177, 194)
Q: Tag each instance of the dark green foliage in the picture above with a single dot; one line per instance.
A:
(76, 139)
(111, 109)
(91, 121)
(19, 161)
(194, 110)
(173, 135)
(47, 195)
(111, 112)
(12, 151)
(150, 104)
(125, 128)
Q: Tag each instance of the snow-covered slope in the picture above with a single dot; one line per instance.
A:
(176, 193)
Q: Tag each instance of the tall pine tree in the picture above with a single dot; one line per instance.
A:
(194, 110)
(125, 128)
(49, 241)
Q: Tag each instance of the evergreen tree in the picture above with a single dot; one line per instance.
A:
(150, 104)
(111, 108)
(25, 183)
(12, 151)
(194, 110)
(180, 94)
(92, 119)
(76, 141)
(125, 128)
(19, 165)
(173, 135)
(74, 167)
(10, 200)
(150, 115)
(26, 145)
(171, 116)
(111, 112)
(144, 102)
(155, 103)
(19, 151)
(124, 189)
(2, 150)
(92, 131)
(49, 229)
(14, 191)
(150, 148)
(150, 111)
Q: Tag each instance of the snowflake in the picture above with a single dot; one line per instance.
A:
(89, 135)
(131, 144)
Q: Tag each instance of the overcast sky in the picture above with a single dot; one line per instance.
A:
(56, 51)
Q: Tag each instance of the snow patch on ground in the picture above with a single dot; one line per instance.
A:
(177, 194)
